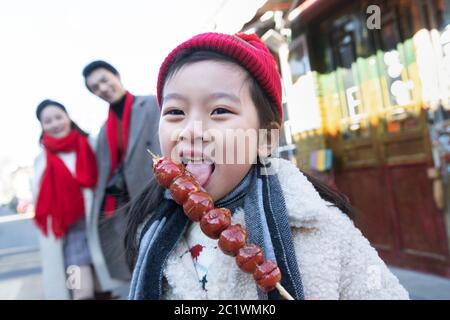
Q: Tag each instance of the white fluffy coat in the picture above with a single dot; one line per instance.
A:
(51, 249)
(335, 260)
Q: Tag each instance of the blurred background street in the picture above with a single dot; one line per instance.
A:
(366, 108)
(20, 264)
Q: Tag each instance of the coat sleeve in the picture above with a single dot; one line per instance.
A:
(38, 170)
(153, 115)
(363, 274)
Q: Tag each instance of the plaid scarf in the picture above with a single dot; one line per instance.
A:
(266, 219)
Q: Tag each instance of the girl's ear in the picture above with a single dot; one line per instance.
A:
(268, 139)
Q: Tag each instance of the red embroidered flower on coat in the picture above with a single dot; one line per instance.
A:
(195, 251)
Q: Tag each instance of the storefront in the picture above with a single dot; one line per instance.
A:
(371, 89)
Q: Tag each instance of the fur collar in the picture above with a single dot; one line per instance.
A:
(303, 202)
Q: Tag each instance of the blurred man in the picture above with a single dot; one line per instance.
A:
(124, 165)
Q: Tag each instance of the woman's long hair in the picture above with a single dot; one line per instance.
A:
(152, 195)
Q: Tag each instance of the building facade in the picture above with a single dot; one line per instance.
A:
(367, 98)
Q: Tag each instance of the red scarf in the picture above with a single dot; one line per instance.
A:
(60, 195)
(112, 138)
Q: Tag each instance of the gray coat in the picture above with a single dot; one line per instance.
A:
(109, 233)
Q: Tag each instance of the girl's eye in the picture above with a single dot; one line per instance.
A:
(220, 111)
(174, 112)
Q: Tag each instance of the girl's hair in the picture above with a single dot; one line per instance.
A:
(151, 196)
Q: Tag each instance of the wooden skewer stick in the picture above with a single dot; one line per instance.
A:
(283, 292)
(279, 287)
(154, 156)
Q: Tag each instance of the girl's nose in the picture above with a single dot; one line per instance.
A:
(192, 131)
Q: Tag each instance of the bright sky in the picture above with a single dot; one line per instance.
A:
(45, 44)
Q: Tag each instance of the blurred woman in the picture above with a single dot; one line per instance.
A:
(64, 174)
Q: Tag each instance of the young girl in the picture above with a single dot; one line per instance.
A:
(209, 86)
(65, 172)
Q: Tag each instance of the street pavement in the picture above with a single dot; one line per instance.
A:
(423, 286)
(20, 264)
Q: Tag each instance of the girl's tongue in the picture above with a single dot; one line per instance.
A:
(201, 171)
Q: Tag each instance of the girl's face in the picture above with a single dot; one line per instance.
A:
(208, 116)
(55, 122)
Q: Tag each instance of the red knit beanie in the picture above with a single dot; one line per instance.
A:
(247, 49)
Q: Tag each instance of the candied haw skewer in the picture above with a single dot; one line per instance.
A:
(232, 239)
(267, 275)
(182, 186)
(249, 257)
(197, 205)
(165, 170)
(216, 223)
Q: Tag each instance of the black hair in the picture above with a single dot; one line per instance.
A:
(48, 102)
(149, 199)
(45, 103)
(97, 64)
